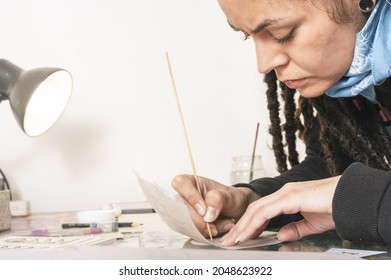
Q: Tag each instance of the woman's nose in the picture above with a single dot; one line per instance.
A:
(270, 55)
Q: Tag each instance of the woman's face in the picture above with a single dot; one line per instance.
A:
(308, 51)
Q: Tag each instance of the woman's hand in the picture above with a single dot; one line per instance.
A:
(313, 199)
(219, 205)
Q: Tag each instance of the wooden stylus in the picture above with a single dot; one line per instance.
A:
(186, 137)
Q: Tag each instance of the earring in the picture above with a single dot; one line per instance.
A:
(366, 6)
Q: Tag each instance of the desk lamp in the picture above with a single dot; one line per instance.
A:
(37, 97)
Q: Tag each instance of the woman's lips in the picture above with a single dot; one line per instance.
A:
(294, 84)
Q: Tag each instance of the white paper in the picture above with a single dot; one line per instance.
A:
(176, 216)
(357, 253)
(55, 242)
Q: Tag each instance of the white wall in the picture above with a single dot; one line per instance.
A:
(122, 114)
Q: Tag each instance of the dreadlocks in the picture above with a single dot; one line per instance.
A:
(349, 127)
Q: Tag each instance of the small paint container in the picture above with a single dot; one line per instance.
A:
(105, 227)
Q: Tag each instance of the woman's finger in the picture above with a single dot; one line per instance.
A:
(224, 225)
(311, 224)
(185, 185)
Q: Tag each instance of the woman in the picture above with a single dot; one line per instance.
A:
(337, 56)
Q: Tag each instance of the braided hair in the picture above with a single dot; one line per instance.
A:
(349, 127)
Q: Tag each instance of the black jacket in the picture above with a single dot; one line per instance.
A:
(362, 200)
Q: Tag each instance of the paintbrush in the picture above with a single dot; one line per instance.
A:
(186, 137)
(253, 155)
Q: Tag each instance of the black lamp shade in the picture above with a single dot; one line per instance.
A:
(37, 97)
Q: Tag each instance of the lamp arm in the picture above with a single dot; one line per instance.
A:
(6, 184)
(9, 74)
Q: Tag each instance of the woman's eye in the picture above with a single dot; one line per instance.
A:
(286, 38)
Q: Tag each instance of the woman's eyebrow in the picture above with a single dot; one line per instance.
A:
(264, 24)
(259, 27)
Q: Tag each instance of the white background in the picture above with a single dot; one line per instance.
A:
(122, 114)
(281, 269)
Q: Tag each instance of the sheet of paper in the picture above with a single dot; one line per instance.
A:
(175, 214)
(45, 242)
(357, 253)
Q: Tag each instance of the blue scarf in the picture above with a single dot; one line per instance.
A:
(372, 56)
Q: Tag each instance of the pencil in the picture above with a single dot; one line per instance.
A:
(186, 137)
(87, 225)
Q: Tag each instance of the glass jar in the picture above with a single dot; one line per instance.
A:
(241, 169)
